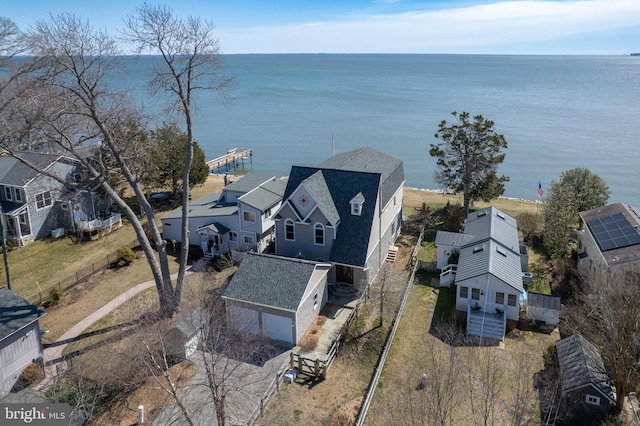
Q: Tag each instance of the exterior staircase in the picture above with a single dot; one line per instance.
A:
(392, 254)
(487, 324)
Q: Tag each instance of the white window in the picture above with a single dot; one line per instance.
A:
(7, 193)
(475, 293)
(233, 236)
(315, 300)
(478, 248)
(499, 298)
(289, 230)
(43, 200)
(249, 216)
(501, 250)
(23, 218)
(356, 209)
(319, 234)
(501, 215)
(248, 240)
(512, 300)
(18, 194)
(267, 213)
(464, 292)
(593, 400)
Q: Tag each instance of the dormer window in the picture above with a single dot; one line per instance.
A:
(356, 204)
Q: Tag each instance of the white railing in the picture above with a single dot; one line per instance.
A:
(448, 275)
(92, 225)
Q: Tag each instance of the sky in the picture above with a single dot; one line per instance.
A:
(583, 27)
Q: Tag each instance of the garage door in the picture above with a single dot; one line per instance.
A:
(244, 319)
(277, 327)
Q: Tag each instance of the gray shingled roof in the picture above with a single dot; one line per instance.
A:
(214, 227)
(206, 206)
(248, 182)
(14, 172)
(266, 195)
(317, 187)
(352, 240)
(369, 160)
(278, 282)
(15, 313)
(188, 323)
(581, 365)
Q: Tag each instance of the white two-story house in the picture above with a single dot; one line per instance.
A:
(237, 218)
(489, 275)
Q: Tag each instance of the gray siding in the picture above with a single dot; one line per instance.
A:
(307, 313)
(16, 353)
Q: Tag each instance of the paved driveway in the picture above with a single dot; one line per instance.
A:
(248, 382)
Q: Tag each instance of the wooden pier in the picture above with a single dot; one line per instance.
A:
(233, 158)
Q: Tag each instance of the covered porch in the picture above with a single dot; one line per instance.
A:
(16, 219)
(214, 240)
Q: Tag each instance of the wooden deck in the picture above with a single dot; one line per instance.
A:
(232, 158)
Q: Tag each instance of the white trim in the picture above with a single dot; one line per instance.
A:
(317, 226)
(289, 222)
(592, 399)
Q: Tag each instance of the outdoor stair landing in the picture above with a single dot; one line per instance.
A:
(487, 325)
(392, 254)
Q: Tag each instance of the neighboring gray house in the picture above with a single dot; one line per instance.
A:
(239, 217)
(489, 275)
(36, 205)
(608, 236)
(584, 380)
(20, 342)
(276, 296)
(347, 212)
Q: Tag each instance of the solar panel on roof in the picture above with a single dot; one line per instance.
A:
(613, 232)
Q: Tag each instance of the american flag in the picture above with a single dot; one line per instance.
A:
(540, 190)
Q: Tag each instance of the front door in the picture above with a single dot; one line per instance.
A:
(344, 274)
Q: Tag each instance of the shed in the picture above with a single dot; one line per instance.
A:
(584, 381)
(543, 307)
(20, 342)
(184, 335)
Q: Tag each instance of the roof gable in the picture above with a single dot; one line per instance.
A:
(352, 238)
(273, 281)
(16, 173)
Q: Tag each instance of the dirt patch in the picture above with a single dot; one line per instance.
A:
(150, 395)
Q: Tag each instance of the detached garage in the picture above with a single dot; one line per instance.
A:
(278, 297)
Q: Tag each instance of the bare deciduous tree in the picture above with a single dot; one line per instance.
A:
(605, 310)
(191, 55)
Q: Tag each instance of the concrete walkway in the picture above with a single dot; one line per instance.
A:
(53, 359)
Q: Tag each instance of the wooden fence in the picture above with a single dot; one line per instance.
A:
(77, 277)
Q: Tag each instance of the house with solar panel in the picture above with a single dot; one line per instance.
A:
(347, 211)
(490, 272)
(237, 218)
(608, 236)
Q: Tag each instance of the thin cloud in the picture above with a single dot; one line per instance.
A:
(492, 27)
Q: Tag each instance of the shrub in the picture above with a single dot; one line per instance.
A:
(54, 296)
(125, 255)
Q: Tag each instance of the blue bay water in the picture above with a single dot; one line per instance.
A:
(556, 112)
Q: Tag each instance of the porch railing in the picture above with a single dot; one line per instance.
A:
(97, 224)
